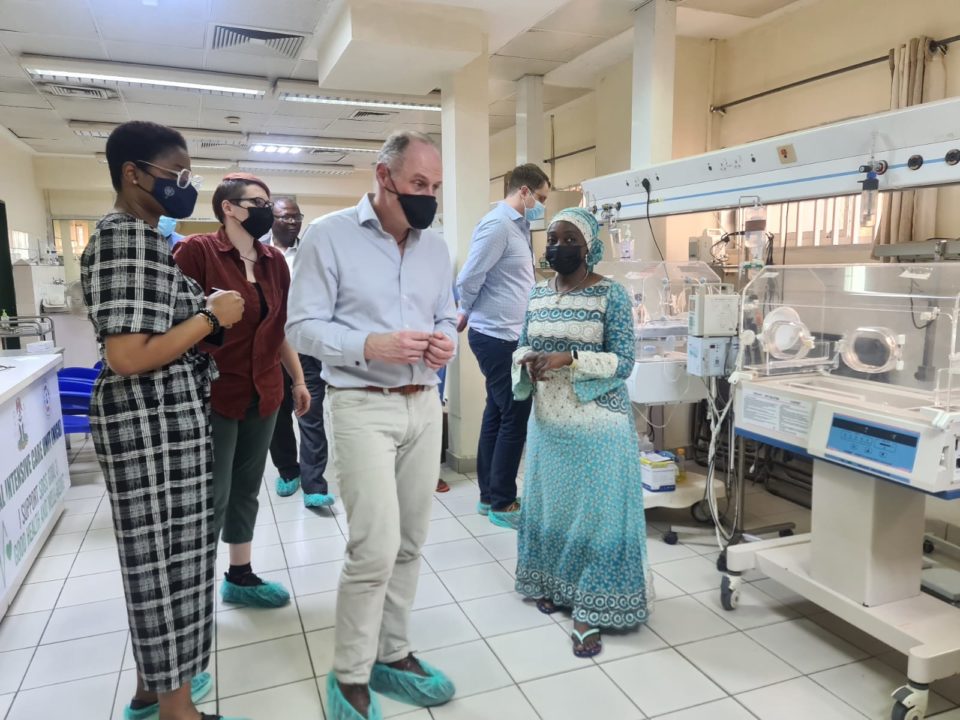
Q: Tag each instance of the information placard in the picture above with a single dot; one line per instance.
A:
(34, 478)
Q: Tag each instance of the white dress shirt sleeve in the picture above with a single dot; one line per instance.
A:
(310, 328)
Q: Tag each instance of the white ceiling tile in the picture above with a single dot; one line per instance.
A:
(295, 16)
(239, 63)
(249, 122)
(74, 109)
(560, 47)
(10, 116)
(58, 17)
(153, 29)
(317, 111)
(605, 18)
(178, 98)
(163, 114)
(24, 100)
(154, 54)
(232, 105)
(743, 8)
(135, 11)
(511, 68)
(357, 129)
(47, 44)
(9, 67)
(282, 125)
(16, 85)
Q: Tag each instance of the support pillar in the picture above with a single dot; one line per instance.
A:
(530, 134)
(654, 60)
(466, 188)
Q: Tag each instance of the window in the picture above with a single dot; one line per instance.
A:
(19, 246)
(821, 223)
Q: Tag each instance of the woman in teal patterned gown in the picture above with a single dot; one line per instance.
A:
(582, 539)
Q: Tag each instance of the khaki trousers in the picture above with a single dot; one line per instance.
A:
(386, 460)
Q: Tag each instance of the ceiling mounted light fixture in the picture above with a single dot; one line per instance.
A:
(379, 104)
(52, 69)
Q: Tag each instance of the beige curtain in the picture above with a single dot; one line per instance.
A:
(917, 75)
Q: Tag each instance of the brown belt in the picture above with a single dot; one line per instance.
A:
(402, 390)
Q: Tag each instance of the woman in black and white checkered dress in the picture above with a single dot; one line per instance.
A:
(150, 417)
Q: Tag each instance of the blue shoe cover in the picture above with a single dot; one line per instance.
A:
(318, 500)
(200, 687)
(339, 709)
(267, 595)
(286, 488)
(509, 520)
(411, 688)
(483, 508)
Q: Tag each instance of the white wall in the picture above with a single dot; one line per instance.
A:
(18, 189)
(822, 37)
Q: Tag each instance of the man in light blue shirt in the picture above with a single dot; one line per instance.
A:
(494, 286)
(371, 300)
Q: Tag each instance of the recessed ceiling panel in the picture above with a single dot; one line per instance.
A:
(550, 45)
(511, 68)
(54, 45)
(743, 8)
(154, 54)
(605, 18)
(57, 17)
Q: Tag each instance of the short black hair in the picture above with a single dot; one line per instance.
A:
(139, 140)
(528, 175)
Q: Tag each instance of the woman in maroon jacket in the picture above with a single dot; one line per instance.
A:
(248, 393)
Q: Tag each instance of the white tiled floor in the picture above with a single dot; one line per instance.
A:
(64, 642)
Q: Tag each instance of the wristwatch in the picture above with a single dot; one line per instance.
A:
(212, 319)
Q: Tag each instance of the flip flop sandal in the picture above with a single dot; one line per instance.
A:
(586, 652)
(547, 607)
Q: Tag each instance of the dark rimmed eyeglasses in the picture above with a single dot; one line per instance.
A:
(257, 202)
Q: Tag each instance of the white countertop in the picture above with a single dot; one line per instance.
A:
(24, 369)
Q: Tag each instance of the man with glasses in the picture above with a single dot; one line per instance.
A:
(308, 471)
(494, 286)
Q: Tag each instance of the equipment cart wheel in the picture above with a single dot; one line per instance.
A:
(701, 513)
(671, 538)
(722, 561)
(730, 592)
(786, 533)
(928, 547)
(910, 702)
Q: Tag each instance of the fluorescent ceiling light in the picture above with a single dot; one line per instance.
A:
(379, 104)
(285, 148)
(97, 71)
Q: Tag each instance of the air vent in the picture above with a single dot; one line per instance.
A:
(207, 144)
(327, 156)
(284, 44)
(372, 115)
(82, 92)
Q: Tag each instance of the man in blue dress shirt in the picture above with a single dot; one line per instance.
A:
(371, 299)
(494, 286)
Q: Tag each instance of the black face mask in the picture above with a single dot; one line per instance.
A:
(565, 259)
(259, 221)
(420, 210)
